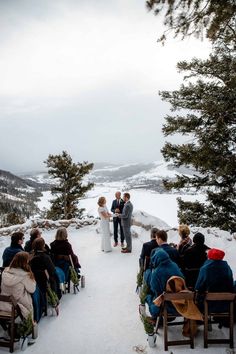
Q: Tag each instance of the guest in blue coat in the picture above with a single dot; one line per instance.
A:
(161, 239)
(162, 269)
(215, 276)
(17, 240)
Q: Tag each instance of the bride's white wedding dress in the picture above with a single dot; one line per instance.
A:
(105, 228)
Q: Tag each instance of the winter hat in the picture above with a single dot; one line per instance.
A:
(215, 254)
(199, 238)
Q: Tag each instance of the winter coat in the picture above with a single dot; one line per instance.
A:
(215, 276)
(40, 262)
(28, 247)
(146, 252)
(9, 254)
(61, 248)
(193, 259)
(184, 245)
(171, 251)
(156, 279)
(17, 283)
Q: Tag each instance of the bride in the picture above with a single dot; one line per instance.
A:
(105, 217)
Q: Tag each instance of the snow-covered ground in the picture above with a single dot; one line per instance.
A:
(163, 206)
(103, 317)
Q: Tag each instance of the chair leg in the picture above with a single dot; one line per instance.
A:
(165, 330)
(206, 329)
(191, 334)
(231, 325)
(12, 335)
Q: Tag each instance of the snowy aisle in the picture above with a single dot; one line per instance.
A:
(103, 318)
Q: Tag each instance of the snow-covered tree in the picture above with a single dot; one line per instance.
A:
(207, 116)
(69, 185)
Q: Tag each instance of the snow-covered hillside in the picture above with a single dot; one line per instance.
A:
(146, 176)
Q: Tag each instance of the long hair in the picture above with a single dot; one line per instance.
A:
(61, 234)
(38, 244)
(184, 231)
(21, 260)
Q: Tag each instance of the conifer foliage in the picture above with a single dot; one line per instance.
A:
(212, 18)
(69, 185)
(206, 106)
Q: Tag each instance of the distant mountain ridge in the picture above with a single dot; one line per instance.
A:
(19, 195)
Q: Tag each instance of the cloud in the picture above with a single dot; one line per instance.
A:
(82, 76)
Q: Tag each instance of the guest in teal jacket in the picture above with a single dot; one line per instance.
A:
(156, 278)
(215, 276)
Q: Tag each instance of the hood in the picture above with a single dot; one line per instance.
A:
(13, 276)
(160, 257)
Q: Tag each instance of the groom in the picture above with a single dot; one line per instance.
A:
(126, 222)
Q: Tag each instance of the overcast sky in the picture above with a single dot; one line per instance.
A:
(84, 76)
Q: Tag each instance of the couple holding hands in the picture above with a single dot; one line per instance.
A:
(122, 212)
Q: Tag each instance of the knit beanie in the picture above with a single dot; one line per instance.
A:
(199, 238)
(215, 254)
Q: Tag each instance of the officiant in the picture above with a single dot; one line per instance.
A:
(116, 208)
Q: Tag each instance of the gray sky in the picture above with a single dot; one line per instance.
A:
(84, 76)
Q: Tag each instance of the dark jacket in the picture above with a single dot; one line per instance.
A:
(215, 276)
(172, 252)
(193, 259)
(119, 206)
(60, 248)
(146, 252)
(156, 279)
(9, 254)
(40, 262)
(28, 247)
(195, 256)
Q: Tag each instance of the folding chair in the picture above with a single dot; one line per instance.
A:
(213, 298)
(168, 319)
(8, 318)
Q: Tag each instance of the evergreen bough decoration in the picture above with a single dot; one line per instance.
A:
(52, 297)
(140, 278)
(25, 327)
(143, 293)
(147, 324)
(74, 276)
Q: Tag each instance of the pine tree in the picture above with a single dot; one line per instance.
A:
(184, 18)
(69, 185)
(207, 106)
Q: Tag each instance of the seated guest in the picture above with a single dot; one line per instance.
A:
(185, 240)
(17, 239)
(162, 269)
(34, 234)
(215, 276)
(161, 239)
(61, 249)
(193, 259)
(147, 249)
(42, 266)
(18, 281)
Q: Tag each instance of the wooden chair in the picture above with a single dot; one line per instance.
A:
(169, 297)
(212, 298)
(8, 318)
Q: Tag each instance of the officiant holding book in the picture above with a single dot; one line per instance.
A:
(116, 208)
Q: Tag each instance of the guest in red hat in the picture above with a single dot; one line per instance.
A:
(215, 275)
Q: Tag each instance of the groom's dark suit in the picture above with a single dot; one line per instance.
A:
(117, 204)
